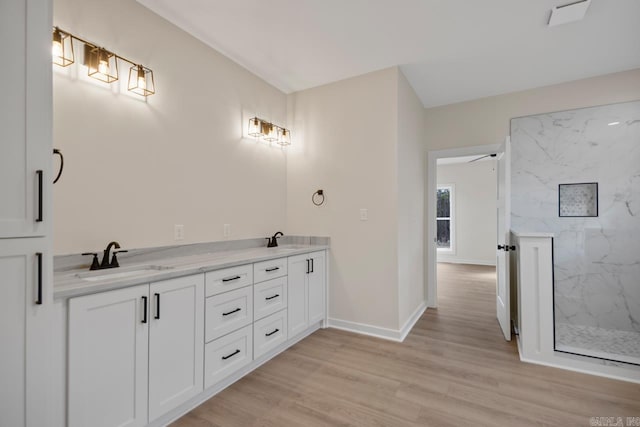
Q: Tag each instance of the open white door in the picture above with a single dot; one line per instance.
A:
(503, 305)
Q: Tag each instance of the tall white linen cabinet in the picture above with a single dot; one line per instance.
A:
(26, 269)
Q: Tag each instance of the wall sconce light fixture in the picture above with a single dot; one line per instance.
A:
(101, 63)
(259, 128)
(62, 48)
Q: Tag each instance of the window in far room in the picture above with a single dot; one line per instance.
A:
(444, 239)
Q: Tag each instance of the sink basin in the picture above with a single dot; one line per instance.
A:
(120, 273)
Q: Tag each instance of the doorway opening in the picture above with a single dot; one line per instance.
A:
(463, 228)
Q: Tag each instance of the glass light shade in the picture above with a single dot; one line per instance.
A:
(141, 80)
(284, 137)
(271, 133)
(62, 49)
(255, 127)
(103, 65)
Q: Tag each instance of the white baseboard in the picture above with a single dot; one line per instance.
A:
(412, 320)
(380, 332)
(466, 261)
(584, 365)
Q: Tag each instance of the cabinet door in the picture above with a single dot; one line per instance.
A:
(25, 117)
(297, 294)
(176, 343)
(24, 331)
(108, 349)
(316, 291)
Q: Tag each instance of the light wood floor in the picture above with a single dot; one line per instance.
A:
(454, 368)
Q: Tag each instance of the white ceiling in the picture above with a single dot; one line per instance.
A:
(450, 50)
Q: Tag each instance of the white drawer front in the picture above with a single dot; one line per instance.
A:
(227, 312)
(228, 279)
(226, 355)
(269, 297)
(271, 269)
(269, 333)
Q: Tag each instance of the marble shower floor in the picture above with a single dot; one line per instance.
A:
(623, 346)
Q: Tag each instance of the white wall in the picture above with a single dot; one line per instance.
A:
(486, 121)
(345, 143)
(475, 211)
(134, 169)
(411, 191)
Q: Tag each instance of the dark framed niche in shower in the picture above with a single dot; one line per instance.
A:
(578, 200)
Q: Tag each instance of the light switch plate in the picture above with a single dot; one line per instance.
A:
(178, 232)
(364, 214)
(227, 230)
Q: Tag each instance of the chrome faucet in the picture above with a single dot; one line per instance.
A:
(106, 263)
(273, 242)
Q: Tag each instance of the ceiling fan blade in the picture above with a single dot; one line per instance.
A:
(481, 157)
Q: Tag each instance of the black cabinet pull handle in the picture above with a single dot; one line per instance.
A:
(268, 270)
(312, 266)
(40, 189)
(271, 333)
(308, 266)
(231, 278)
(39, 292)
(231, 355)
(231, 312)
(157, 316)
(275, 296)
(144, 310)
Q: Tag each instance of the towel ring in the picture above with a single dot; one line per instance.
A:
(320, 194)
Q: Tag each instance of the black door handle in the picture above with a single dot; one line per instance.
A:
(271, 333)
(308, 266)
(272, 269)
(231, 312)
(231, 355)
(501, 247)
(312, 265)
(272, 297)
(144, 310)
(157, 316)
(39, 292)
(231, 278)
(40, 189)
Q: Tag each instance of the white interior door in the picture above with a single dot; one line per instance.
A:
(503, 308)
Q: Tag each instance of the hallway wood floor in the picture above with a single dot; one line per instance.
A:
(454, 369)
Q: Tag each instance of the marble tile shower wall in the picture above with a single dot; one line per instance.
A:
(596, 259)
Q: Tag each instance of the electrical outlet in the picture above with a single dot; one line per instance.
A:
(178, 232)
(227, 230)
(364, 214)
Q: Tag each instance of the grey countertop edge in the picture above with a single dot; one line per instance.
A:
(72, 286)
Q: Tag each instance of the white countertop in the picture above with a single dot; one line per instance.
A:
(72, 283)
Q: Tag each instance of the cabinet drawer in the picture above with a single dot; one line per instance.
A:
(271, 269)
(227, 312)
(269, 333)
(226, 355)
(269, 297)
(228, 279)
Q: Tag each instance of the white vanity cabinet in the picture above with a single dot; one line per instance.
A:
(135, 353)
(306, 290)
(176, 342)
(108, 358)
(142, 355)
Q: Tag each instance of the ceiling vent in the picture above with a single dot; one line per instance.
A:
(568, 13)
